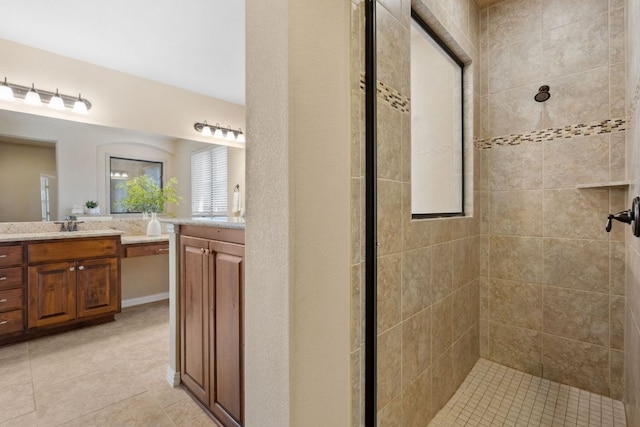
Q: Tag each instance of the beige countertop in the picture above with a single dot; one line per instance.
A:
(49, 235)
(220, 222)
(130, 240)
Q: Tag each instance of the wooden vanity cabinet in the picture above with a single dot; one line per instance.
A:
(12, 285)
(211, 320)
(72, 280)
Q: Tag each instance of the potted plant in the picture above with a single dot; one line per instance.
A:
(145, 195)
(91, 207)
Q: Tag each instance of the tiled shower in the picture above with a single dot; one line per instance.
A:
(529, 279)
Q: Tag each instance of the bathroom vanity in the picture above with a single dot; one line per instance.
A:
(51, 282)
(209, 268)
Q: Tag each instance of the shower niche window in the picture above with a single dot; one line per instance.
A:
(121, 170)
(437, 165)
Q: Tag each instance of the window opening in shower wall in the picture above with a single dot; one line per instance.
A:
(437, 161)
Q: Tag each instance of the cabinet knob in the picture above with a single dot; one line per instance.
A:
(3, 278)
(72, 269)
(4, 322)
(201, 250)
(3, 300)
(3, 255)
(81, 267)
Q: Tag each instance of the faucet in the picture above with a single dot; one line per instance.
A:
(69, 224)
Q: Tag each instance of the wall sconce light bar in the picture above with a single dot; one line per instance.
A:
(55, 100)
(218, 131)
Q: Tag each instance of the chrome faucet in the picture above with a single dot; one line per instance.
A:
(69, 224)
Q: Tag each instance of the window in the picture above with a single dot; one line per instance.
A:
(122, 170)
(209, 182)
(437, 179)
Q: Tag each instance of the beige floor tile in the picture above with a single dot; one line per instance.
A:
(16, 400)
(187, 413)
(27, 420)
(140, 410)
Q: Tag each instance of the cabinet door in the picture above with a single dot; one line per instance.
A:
(227, 379)
(52, 294)
(97, 287)
(194, 316)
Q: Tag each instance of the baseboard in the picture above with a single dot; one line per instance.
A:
(145, 299)
(173, 377)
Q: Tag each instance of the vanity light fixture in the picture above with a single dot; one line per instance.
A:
(219, 132)
(36, 97)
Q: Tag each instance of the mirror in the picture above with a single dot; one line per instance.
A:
(437, 184)
(28, 184)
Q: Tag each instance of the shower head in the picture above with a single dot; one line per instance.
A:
(543, 94)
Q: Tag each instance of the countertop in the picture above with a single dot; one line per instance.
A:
(219, 222)
(130, 240)
(20, 237)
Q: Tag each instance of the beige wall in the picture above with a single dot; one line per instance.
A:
(297, 246)
(552, 279)
(145, 276)
(632, 320)
(428, 287)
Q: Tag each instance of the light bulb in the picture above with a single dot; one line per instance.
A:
(230, 135)
(206, 130)
(6, 93)
(56, 102)
(32, 97)
(79, 107)
(240, 137)
(218, 132)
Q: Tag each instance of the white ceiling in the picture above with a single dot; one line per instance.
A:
(196, 45)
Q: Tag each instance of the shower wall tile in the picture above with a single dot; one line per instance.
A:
(516, 258)
(389, 366)
(461, 312)
(460, 14)
(441, 327)
(576, 363)
(389, 291)
(441, 230)
(414, 234)
(617, 157)
(416, 401)
(575, 314)
(578, 160)
(474, 25)
(516, 64)
(441, 271)
(509, 115)
(356, 389)
(395, 8)
(577, 264)
(516, 167)
(557, 14)
(617, 82)
(576, 47)
(356, 221)
(462, 358)
(461, 250)
(616, 36)
(484, 289)
(616, 373)
(515, 303)
(577, 214)
(484, 255)
(617, 268)
(416, 281)
(393, 51)
(484, 339)
(516, 348)
(416, 345)
(516, 213)
(389, 142)
(616, 311)
(406, 147)
(356, 338)
(514, 20)
(580, 98)
(389, 208)
(391, 414)
(618, 202)
(442, 382)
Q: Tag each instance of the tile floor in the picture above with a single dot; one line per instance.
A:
(106, 375)
(494, 395)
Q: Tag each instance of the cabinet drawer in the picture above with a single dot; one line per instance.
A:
(10, 255)
(11, 299)
(71, 250)
(10, 277)
(11, 321)
(146, 250)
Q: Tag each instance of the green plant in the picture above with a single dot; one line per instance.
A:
(91, 204)
(144, 195)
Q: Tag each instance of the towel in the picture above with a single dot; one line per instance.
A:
(236, 207)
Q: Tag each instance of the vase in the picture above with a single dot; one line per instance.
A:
(154, 228)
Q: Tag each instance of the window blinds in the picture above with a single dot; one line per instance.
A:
(209, 182)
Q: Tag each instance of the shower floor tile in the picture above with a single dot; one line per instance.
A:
(494, 395)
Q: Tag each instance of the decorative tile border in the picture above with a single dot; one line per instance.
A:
(389, 96)
(580, 129)
(634, 102)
